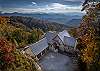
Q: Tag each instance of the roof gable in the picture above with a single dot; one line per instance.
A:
(50, 35)
(62, 34)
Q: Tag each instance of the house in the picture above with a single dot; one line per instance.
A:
(51, 41)
(37, 49)
(55, 39)
(59, 41)
(64, 40)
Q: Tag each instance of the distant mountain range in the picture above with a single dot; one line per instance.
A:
(74, 22)
(69, 19)
(30, 23)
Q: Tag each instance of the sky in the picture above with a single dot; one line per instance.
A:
(41, 6)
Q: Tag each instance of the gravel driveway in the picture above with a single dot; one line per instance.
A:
(56, 62)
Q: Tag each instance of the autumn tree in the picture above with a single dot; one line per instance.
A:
(90, 39)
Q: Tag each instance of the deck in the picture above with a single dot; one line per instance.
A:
(57, 62)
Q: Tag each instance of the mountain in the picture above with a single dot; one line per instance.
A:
(74, 22)
(31, 22)
(53, 17)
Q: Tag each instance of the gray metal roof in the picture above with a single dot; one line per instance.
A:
(63, 34)
(39, 46)
(50, 35)
(70, 41)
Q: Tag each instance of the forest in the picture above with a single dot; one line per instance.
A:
(12, 38)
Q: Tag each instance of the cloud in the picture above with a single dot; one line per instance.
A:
(34, 3)
(60, 8)
(49, 8)
(56, 6)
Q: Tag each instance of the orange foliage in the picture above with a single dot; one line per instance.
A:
(6, 48)
(87, 35)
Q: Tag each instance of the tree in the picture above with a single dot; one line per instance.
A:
(89, 41)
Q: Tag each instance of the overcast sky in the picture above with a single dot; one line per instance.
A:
(40, 6)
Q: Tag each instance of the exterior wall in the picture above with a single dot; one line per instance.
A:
(29, 52)
(51, 48)
(57, 39)
(42, 53)
(38, 56)
(61, 47)
(59, 42)
(69, 49)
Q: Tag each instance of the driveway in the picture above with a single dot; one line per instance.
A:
(56, 62)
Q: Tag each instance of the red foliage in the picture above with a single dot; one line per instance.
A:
(7, 49)
(8, 58)
(5, 46)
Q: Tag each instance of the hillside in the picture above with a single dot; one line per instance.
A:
(11, 39)
(30, 23)
(74, 22)
(18, 33)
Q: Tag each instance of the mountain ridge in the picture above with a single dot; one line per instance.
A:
(31, 22)
(52, 17)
